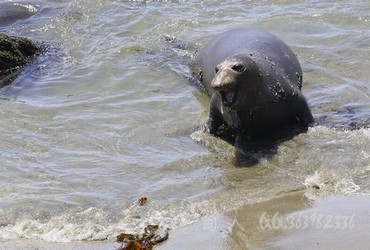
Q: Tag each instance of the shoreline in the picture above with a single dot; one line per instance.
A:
(289, 221)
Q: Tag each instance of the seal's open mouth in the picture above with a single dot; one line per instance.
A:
(228, 98)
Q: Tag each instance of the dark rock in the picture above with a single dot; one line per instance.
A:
(15, 52)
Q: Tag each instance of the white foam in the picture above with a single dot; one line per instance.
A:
(323, 183)
(99, 224)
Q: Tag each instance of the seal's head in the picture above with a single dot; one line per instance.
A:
(237, 79)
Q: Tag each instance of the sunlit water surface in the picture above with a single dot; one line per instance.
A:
(107, 115)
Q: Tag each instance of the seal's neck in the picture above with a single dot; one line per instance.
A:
(231, 117)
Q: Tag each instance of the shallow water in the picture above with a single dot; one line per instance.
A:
(106, 116)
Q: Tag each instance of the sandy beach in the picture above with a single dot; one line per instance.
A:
(287, 222)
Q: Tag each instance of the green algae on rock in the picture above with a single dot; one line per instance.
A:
(15, 52)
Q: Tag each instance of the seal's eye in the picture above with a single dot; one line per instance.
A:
(238, 68)
(216, 70)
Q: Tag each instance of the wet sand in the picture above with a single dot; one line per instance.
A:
(290, 221)
(287, 222)
(332, 223)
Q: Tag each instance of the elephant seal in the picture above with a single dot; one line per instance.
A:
(254, 81)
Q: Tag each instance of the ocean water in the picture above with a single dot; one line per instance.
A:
(108, 115)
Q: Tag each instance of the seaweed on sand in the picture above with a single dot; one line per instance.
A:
(144, 241)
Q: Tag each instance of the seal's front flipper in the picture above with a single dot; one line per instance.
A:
(305, 116)
(215, 119)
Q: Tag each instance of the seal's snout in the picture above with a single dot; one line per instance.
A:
(225, 83)
(228, 76)
(224, 79)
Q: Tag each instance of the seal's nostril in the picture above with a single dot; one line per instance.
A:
(216, 70)
(238, 67)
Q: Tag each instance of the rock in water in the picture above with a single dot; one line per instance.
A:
(11, 12)
(15, 52)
